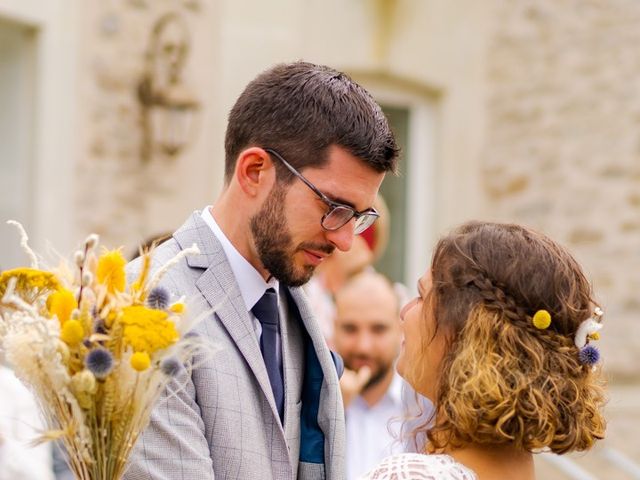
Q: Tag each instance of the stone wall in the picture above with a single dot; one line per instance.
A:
(562, 147)
(538, 115)
(119, 195)
(419, 54)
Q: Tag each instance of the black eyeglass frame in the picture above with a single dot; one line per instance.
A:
(369, 212)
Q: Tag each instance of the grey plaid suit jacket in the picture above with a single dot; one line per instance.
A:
(221, 422)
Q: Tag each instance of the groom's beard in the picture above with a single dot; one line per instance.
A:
(274, 244)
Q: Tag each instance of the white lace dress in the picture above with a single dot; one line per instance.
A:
(416, 466)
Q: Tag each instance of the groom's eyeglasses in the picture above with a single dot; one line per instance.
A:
(338, 214)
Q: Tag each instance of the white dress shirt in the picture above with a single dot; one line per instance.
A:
(252, 285)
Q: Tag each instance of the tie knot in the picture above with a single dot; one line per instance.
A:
(266, 309)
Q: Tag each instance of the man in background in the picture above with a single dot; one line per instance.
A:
(367, 335)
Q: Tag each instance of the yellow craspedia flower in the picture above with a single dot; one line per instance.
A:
(177, 307)
(62, 304)
(72, 332)
(30, 282)
(542, 319)
(147, 329)
(140, 361)
(110, 271)
(594, 336)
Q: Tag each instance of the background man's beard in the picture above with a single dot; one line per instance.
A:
(376, 378)
(273, 241)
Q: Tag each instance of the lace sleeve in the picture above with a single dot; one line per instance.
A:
(416, 466)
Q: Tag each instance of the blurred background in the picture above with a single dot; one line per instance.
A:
(510, 110)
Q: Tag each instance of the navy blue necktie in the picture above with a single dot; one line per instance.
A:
(266, 311)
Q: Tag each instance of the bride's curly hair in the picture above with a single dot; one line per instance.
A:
(502, 380)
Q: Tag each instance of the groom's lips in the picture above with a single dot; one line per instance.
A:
(314, 257)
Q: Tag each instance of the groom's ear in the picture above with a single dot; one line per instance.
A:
(255, 172)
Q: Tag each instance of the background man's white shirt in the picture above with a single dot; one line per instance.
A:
(368, 437)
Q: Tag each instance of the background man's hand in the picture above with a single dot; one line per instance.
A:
(352, 383)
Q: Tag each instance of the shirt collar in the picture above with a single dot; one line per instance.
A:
(394, 393)
(252, 285)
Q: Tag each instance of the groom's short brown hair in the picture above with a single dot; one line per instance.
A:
(300, 109)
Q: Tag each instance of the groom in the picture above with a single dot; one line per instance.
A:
(306, 151)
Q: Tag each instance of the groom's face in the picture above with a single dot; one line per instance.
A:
(289, 238)
(275, 244)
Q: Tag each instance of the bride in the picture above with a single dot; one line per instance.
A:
(500, 338)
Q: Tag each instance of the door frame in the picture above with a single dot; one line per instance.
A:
(54, 141)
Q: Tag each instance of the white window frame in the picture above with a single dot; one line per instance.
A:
(421, 159)
(54, 141)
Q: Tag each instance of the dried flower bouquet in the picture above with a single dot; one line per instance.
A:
(96, 352)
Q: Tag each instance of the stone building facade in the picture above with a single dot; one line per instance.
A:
(562, 148)
(523, 111)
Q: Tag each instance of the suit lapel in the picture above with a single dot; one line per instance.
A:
(313, 329)
(293, 358)
(220, 288)
(322, 417)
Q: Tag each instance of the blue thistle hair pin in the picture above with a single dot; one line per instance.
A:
(589, 330)
(589, 355)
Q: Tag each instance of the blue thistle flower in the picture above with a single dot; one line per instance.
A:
(171, 367)
(158, 298)
(589, 355)
(100, 362)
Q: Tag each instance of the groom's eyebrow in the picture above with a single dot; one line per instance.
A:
(341, 200)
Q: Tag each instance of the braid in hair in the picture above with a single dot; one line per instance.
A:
(496, 298)
(501, 379)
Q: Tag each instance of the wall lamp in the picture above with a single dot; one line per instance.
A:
(168, 108)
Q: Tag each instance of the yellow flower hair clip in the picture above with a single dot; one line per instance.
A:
(541, 320)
